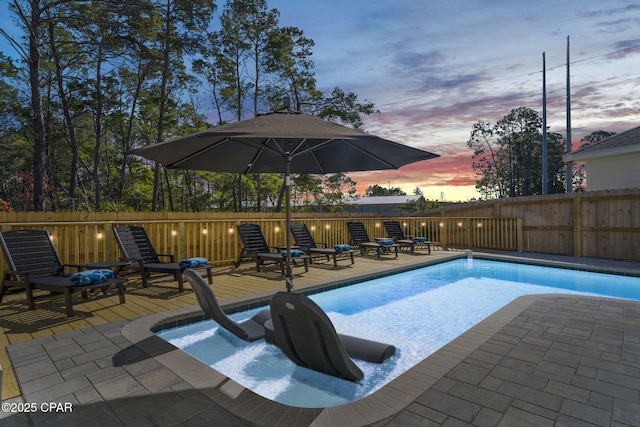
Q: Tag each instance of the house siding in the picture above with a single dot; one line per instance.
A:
(613, 172)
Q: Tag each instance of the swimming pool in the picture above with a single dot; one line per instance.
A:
(446, 299)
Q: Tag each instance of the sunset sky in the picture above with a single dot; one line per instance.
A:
(434, 68)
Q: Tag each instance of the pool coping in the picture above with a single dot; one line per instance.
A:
(381, 405)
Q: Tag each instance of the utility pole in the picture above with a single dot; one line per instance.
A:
(569, 164)
(545, 173)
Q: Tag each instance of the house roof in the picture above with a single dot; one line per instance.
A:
(622, 143)
(386, 200)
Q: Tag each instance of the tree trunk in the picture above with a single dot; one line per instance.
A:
(40, 142)
(98, 133)
(66, 109)
(163, 95)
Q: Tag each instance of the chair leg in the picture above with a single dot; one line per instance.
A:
(121, 292)
(180, 281)
(335, 260)
(145, 284)
(68, 302)
(30, 301)
(209, 276)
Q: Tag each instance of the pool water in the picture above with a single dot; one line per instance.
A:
(417, 311)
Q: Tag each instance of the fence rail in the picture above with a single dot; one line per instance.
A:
(86, 238)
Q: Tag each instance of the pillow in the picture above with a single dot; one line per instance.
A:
(386, 242)
(342, 248)
(90, 277)
(295, 253)
(193, 262)
(419, 239)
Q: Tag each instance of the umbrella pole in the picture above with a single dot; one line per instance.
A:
(287, 188)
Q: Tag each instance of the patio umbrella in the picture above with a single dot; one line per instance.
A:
(283, 142)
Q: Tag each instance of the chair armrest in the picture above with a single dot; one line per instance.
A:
(323, 244)
(171, 257)
(138, 261)
(80, 267)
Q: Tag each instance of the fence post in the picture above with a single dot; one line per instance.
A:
(577, 226)
(442, 225)
(182, 240)
(108, 237)
(519, 235)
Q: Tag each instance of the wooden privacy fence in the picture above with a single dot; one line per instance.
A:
(85, 238)
(598, 224)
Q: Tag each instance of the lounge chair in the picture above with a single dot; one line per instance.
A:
(34, 263)
(248, 330)
(305, 241)
(255, 247)
(306, 335)
(360, 238)
(139, 252)
(395, 232)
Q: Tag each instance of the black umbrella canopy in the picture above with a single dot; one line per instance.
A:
(262, 144)
(283, 142)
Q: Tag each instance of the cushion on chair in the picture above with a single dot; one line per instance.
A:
(386, 242)
(419, 239)
(90, 277)
(342, 248)
(193, 262)
(294, 253)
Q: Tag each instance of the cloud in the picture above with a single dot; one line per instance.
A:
(448, 170)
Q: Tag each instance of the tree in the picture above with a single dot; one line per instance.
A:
(377, 190)
(289, 61)
(345, 108)
(579, 173)
(106, 77)
(182, 23)
(507, 156)
(306, 189)
(485, 160)
(234, 52)
(31, 16)
(338, 191)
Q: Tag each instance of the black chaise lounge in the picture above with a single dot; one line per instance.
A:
(255, 247)
(395, 232)
(34, 263)
(306, 335)
(360, 238)
(304, 240)
(248, 330)
(139, 252)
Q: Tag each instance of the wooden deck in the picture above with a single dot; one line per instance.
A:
(19, 324)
